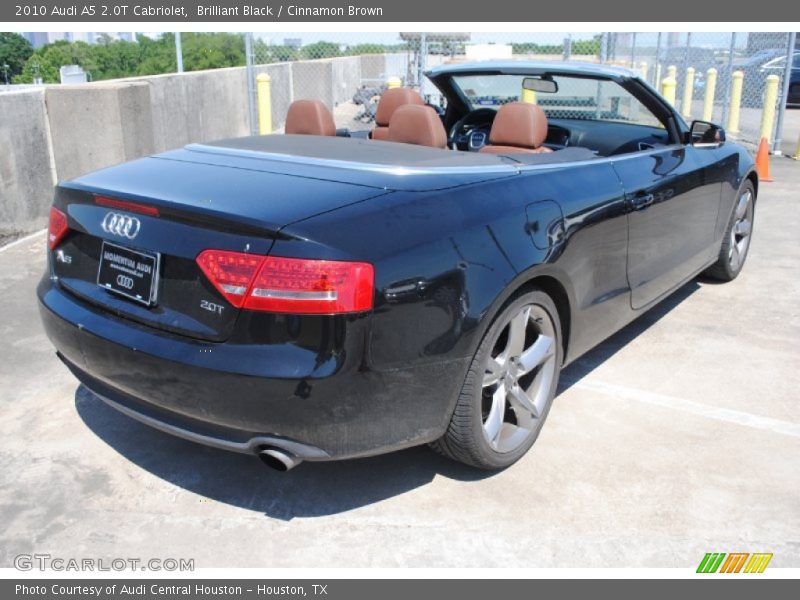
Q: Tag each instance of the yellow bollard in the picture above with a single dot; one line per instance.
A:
(797, 152)
(737, 81)
(264, 91)
(672, 71)
(393, 82)
(529, 96)
(668, 86)
(688, 93)
(768, 114)
(643, 70)
(711, 88)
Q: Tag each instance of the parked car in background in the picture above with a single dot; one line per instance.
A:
(778, 67)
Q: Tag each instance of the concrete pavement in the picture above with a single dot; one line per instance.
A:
(678, 436)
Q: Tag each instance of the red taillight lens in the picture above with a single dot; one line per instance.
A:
(230, 272)
(57, 228)
(289, 285)
(142, 209)
(296, 285)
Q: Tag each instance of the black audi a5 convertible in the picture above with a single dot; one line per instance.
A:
(320, 295)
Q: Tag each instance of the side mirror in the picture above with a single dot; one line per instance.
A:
(706, 135)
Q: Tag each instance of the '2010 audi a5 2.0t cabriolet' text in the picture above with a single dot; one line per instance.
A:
(321, 294)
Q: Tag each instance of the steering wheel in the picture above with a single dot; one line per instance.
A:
(477, 117)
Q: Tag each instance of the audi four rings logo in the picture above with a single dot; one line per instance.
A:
(125, 281)
(121, 225)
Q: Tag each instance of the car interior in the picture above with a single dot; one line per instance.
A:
(608, 122)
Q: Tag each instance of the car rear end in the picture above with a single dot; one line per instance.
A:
(163, 297)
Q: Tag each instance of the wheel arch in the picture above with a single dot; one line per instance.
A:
(753, 177)
(550, 281)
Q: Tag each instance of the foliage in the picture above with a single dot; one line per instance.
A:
(14, 51)
(579, 47)
(112, 59)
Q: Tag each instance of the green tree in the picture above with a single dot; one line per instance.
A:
(46, 62)
(14, 51)
(321, 50)
(212, 50)
(366, 49)
(587, 47)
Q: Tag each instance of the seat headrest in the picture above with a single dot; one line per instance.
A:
(391, 99)
(519, 124)
(309, 117)
(413, 124)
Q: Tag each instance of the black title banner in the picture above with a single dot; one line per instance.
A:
(239, 11)
(396, 589)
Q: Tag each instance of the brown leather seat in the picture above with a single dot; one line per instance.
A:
(309, 117)
(518, 127)
(413, 124)
(390, 100)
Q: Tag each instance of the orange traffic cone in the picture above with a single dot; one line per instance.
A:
(762, 161)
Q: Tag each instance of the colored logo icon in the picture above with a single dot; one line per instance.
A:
(735, 562)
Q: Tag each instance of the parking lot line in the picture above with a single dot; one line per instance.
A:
(690, 406)
(22, 240)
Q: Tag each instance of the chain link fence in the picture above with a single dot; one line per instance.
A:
(721, 77)
(349, 71)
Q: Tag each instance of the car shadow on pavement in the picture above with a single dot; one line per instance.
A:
(587, 363)
(309, 490)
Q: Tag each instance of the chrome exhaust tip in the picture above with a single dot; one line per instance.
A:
(278, 459)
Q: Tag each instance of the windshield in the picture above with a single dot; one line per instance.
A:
(576, 98)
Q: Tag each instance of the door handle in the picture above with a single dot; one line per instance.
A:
(642, 200)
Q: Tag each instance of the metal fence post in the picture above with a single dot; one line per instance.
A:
(250, 73)
(178, 52)
(784, 95)
(657, 74)
(688, 93)
(729, 81)
(422, 62)
(603, 47)
(711, 90)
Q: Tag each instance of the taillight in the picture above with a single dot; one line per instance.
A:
(57, 228)
(144, 209)
(289, 285)
(298, 285)
(230, 272)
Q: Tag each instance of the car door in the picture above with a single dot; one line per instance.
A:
(673, 196)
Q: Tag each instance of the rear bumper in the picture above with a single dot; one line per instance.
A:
(317, 403)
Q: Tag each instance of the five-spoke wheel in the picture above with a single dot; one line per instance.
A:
(518, 376)
(736, 241)
(509, 387)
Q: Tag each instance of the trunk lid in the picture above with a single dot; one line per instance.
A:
(200, 206)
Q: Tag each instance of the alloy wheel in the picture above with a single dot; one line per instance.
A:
(740, 232)
(518, 378)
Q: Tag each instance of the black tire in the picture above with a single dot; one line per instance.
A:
(465, 440)
(726, 268)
